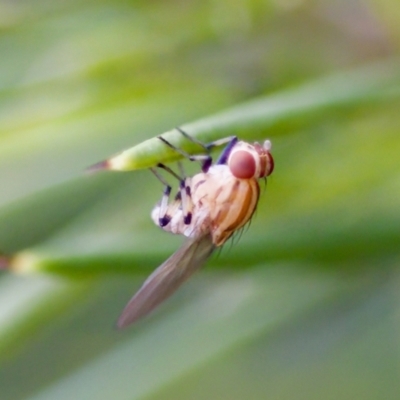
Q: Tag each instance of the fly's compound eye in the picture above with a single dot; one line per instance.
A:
(242, 164)
(248, 161)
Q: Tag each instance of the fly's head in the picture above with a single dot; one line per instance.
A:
(247, 161)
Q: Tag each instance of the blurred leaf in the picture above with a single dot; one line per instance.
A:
(305, 304)
(226, 313)
(374, 83)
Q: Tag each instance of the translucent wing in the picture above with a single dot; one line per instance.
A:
(163, 282)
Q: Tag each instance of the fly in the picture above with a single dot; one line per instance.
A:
(208, 208)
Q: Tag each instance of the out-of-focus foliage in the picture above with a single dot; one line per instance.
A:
(306, 304)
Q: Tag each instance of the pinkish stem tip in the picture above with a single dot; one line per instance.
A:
(100, 166)
(4, 262)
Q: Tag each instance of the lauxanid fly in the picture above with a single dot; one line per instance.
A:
(208, 208)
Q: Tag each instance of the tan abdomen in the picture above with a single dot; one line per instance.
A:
(228, 201)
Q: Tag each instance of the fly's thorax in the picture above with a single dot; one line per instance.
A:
(223, 202)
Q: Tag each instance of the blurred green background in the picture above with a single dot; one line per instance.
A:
(306, 305)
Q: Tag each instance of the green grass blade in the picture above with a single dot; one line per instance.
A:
(340, 91)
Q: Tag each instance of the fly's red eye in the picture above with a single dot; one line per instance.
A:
(242, 164)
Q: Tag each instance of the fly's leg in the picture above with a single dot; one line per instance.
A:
(205, 159)
(206, 146)
(223, 158)
(182, 199)
(163, 218)
(186, 197)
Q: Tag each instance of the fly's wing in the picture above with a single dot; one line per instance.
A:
(166, 279)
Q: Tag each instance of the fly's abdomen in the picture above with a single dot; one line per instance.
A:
(234, 210)
(227, 201)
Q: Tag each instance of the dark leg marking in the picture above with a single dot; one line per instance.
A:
(223, 158)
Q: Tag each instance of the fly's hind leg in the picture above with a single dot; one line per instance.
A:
(205, 159)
